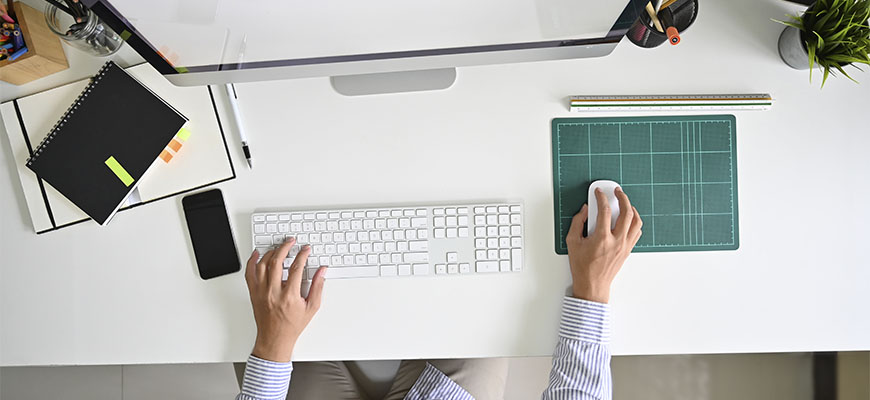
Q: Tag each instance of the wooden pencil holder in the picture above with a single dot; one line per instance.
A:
(44, 55)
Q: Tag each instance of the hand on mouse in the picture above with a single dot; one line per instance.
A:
(280, 310)
(596, 259)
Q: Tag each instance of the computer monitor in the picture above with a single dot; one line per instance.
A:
(365, 46)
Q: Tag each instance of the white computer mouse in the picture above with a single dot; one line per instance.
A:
(609, 188)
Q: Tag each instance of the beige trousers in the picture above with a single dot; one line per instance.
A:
(483, 378)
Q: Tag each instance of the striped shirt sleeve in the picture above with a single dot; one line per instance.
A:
(581, 361)
(265, 380)
(433, 384)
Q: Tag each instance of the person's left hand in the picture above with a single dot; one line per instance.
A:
(279, 308)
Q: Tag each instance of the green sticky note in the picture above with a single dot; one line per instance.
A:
(183, 134)
(119, 171)
(125, 35)
(181, 70)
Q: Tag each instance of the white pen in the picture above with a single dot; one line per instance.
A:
(234, 103)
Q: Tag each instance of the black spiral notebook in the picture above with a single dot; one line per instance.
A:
(105, 142)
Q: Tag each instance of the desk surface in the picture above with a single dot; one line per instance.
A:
(128, 292)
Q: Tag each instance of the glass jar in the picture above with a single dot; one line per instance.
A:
(90, 36)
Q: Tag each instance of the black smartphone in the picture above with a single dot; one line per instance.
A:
(211, 234)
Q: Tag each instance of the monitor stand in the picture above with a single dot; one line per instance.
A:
(394, 82)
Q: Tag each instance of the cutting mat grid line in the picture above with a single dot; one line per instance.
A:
(673, 169)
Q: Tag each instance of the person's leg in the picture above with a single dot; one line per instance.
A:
(318, 380)
(483, 378)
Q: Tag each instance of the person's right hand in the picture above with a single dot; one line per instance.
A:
(596, 259)
(280, 310)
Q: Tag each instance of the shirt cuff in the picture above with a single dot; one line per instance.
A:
(585, 320)
(266, 379)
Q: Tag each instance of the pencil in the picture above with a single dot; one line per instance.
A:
(652, 15)
(667, 4)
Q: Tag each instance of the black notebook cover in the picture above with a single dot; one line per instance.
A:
(104, 143)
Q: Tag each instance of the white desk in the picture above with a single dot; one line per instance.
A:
(128, 293)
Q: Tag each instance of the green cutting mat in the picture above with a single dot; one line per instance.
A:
(679, 171)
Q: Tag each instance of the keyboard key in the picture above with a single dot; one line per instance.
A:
(451, 221)
(422, 234)
(464, 268)
(350, 237)
(344, 225)
(283, 217)
(452, 268)
(492, 219)
(277, 239)
(450, 211)
(404, 269)
(491, 231)
(504, 254)
(404, 223)
(361, 259)
(384, 258)
(375, 236)
(440, 269)
(379, 224)
(390, 247)
(479, 210)
(347, 260)
(332, 225)
(492, 243)
(321, 216)
(346, 215)
(365, 247)
(421, 212)
(418, 222)
(452, 257)
(302, 238)
(462, 210)
(515, 219)
(372, 258)
(517, 259)
(492, 254)
(324, 260)
(480, 255)
(359, 214)
(396, 213)
(393, 223)
(516, 230)
(418, 245)
(378, 247)
(479, 219)
(504, 266)
(486, 266)
(314, 238)
(259, 218)
(334, 215)
(320, 226)
(438, 211)
(515, 209)
(386, 235)
(415, 257)
(329, 249)
(306, 227)
(335, 261)
(259, 228)
(368, 271)
(308, 216)
(452, 233)
(389, 270)
(396, 258)
(504, 230)
(338, 237)
(271, 218)
(362, 236)
(480, 243)
(504, 219)
(285, 274)
(296, 217)
(503, 209)
(262, 240)
(408, 213)
(491, 209)
(295, 227)
(371, 214)
(402, 246)
(504, 242)
(421, 269)
(439, 233)
(439, 222)
(354, 248)
(411, 234)
(479, 231)
(398, 235)
(271, 228)
(463, 232)
(462, 220)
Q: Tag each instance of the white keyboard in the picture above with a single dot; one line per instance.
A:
(399, 242)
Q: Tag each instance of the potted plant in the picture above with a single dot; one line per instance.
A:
(831, 34)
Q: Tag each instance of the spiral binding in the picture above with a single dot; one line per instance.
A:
(66, 115)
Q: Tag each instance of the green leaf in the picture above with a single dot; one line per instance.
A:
(839, 68)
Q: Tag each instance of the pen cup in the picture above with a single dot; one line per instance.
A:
(644, 34)
(91, 35)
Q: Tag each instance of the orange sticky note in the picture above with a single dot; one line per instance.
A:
(175, 145)
(165, 156)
